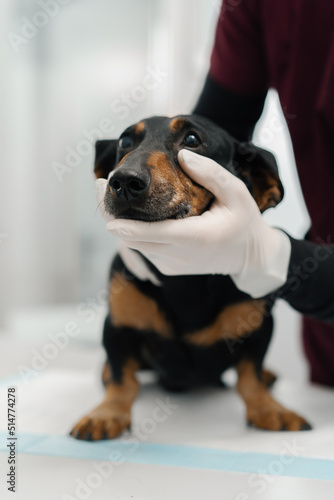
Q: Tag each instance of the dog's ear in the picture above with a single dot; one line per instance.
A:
(257, 167)
(105, 158)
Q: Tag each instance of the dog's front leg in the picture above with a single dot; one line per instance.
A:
(113, 416)
(262, 409)
(110, 418)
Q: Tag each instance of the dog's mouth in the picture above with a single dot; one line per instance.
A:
(180, 212)
(163, 206)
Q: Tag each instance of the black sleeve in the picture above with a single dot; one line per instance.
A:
(310, 283)
(235, 113)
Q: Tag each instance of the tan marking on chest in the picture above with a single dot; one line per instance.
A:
(131, 308)
(233, 322)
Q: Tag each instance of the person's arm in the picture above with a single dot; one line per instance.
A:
(236, 86)
(309, 287)
(234, 112)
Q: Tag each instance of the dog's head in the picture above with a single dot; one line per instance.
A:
(147, 182)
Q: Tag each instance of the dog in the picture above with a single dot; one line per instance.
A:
(188, 329)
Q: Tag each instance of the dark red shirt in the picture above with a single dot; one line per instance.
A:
(288, 45)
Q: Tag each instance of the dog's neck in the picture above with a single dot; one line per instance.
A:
(136, 264)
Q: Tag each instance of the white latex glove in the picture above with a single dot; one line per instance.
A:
(230, 238)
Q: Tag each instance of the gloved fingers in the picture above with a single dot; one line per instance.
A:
(100, 191)
(160, 255)
(177, 232)
(147, 248)
(209, 174)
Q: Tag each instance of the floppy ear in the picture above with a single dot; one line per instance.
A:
(257, 167)
(105, 158)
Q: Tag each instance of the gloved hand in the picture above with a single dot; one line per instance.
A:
(230, 238)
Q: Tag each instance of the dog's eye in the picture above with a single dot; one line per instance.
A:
(191, 140)
(125, 142)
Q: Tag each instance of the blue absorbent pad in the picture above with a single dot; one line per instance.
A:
(204, 430)
(173, 455)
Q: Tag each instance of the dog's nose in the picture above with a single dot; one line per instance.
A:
(130, 184)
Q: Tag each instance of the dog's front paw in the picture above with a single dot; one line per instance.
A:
(102, 423)
(277, 420)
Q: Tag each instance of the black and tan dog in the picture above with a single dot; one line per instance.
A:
(189, 329)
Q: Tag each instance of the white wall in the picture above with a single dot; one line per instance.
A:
(58, 84)
(63, 82)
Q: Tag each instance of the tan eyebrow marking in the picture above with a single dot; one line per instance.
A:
(140, 127)
(176, 124)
